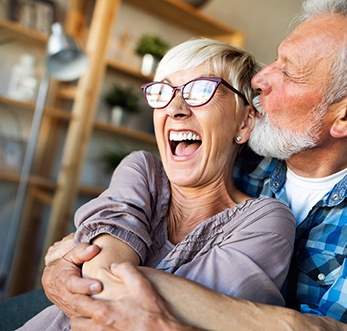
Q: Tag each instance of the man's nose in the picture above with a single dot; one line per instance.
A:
(261, 82)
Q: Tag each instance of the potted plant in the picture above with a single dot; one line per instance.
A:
(122, 100)
(152, 48)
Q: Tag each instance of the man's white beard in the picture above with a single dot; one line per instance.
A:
(270, 141)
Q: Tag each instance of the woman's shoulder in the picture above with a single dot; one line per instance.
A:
(270, 215)
(261, 215)
(143, 157)
(143, 160)
(150, 167)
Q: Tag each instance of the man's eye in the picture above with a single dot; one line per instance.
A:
(284, 71)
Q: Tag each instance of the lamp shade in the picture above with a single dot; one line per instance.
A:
(65, 61)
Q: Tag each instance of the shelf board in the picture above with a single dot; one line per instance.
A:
(90, 190)
(30, 106)
(33, 180)
(125, 132)
(47, 184)
(188, 17)
(68, 92)
(14, 30)
(127, 69)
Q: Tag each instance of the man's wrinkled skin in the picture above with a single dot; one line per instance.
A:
(62, 258)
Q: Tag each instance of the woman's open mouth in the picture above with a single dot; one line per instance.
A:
(184, 143)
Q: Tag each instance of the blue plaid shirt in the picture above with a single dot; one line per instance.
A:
(319, 269)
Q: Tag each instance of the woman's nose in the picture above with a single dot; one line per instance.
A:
(261, 82)
(177, 108)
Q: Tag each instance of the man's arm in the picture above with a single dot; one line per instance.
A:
(192, 304)
(207, 309)
(187, 303)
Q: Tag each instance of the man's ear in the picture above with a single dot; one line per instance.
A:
(247, 122)
(339, 127)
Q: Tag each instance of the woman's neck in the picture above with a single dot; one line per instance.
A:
(190, 207)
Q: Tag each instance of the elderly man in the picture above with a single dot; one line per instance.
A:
(302, 119)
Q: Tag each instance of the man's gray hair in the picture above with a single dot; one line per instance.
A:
(338, 83)
(321, 7)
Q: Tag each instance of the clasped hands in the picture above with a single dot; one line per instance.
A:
(127, 301)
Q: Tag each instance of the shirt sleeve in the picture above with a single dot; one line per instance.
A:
(125, 209)
(334, 301)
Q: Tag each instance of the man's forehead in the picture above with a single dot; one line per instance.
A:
(318, 38)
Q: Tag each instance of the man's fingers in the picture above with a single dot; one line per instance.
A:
(82, 324)
(132, 278)
(59, 249)
(77, 285)
(99, 311)
(81, 253)
(63, 283)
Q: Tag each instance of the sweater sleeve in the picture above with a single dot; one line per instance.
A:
(125, 209)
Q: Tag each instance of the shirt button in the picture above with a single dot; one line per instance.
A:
(335, 197)
(321, 276)
(276, 184)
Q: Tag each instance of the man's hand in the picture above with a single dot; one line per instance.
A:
(137, 307)
(59, 249)
(62, 280)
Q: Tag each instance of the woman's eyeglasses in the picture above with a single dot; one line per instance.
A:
(195, 93)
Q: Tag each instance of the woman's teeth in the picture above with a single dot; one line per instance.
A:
(180, 136)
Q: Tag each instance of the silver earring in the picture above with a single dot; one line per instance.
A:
(238, 138)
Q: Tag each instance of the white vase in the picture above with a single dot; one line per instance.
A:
(149, 64)
(119, 115)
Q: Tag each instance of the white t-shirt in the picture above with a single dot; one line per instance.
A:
(303, 193)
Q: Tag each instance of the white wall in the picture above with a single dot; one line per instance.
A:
(265, 22)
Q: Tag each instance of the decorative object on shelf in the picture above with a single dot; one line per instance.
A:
(111, 158)
(196, 3)
(152, 48)
(12, 143)
(24, 81)
(34, 14)
(59, 54)
(123, 100)
(11, 154)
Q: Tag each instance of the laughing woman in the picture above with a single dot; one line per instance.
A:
(183, 214)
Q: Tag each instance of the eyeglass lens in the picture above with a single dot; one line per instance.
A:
(194, 93)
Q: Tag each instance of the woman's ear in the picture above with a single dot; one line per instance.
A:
(339, 127)
(246, 124)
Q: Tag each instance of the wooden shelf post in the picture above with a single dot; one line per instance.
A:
(81, 125)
